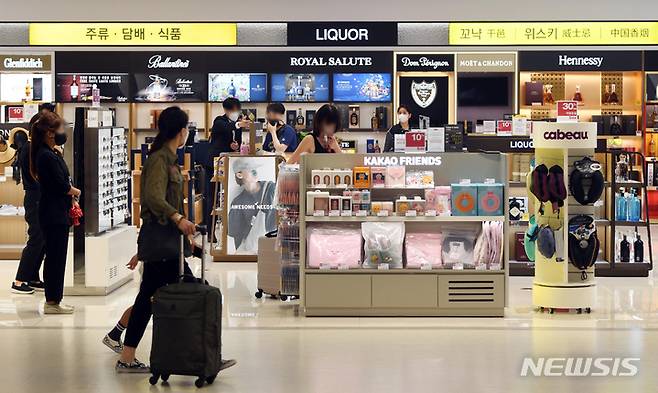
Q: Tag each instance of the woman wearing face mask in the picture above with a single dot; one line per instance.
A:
(404, 115)
(47, 166)
(162, 213)
(323, 140)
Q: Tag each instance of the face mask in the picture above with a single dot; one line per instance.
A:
(234, 116)
(403, 118)
(60, 139)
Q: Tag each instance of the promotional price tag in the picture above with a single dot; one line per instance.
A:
(362, 213)
(318, 213)
(519, 125)
(415, 142)
(567, 111)
(15, 114)
(504, 128)
(382, 266)
(411, 213)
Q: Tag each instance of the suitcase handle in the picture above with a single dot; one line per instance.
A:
(202, 229)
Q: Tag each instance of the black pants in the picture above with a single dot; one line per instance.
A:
(208, 197)
(57, 243)
(35, 249)
(155, 275)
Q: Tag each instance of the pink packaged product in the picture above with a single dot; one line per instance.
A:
(395, 176)
(438, 200)
(423, 249)
(378, 176)
(331, 246)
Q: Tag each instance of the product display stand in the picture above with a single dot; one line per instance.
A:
(461, 289)
(557, 283)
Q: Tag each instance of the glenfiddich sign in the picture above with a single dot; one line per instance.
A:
(342, 34)
(28, 63)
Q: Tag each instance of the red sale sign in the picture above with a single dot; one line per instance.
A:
(14, 114)
(567, 111)
(415, 141)
(504, 127)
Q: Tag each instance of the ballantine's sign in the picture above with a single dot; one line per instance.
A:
(378, 160)
(549, 135)
(156, 61)
(311, 61)
(565, 60)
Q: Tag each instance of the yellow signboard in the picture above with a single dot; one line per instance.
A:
(554, 33)
(132, 34)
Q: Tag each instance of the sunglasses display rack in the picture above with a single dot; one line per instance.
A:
(361, 257)
(559, 283)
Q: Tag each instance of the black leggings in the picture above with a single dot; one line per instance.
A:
(57, 244)
(155, 275)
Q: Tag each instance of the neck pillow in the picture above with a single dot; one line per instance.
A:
(586, 181)
(583, 243)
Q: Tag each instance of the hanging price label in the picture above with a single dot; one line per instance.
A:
(415, 141)
(504, 128)
(567, 111)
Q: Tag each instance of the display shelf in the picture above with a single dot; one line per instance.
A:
(338, 188)
(622, 269)
(405, 292)
(401, 271)
(631, 223)
(403, 218)
(623, 137)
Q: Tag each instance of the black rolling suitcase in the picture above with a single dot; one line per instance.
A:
(187, 324)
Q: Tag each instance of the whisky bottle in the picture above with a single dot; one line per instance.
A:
(300, 89)
(652, 147)
(354, 119)
(548, 94)
(613, 95)
(606, 95)
(374, 121)
(377, 148)
(615, 125)
(28, 90)
(653, 118)
(231, 89)
(577, 96)
(74, 89)
(299, 120)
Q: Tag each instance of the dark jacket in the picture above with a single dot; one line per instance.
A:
(223, 132)
(162, 187)
(389, 145)
(55, 182)
(29, 184)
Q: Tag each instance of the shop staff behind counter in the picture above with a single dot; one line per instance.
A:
(404, 115)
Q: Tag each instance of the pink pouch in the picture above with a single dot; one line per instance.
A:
(334, 247)
(395, 176)
(423, 248)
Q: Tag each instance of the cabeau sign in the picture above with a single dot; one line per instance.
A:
(25, 63)
(342, 34)
(549, 135)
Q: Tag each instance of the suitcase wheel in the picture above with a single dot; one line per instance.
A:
(283, 297)
(211, 379)
(199, 382)
(164, 377)
(154, 379)
(259, 294)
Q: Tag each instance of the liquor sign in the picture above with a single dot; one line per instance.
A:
(342, 34)
(567, 111)
(552, 135)
(429, 62)
(25, 63)
(580, 61)
(553, 33)
(132, 34)
(513, 144)
(415, 142)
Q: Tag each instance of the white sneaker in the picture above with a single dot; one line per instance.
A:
(21, 211)
(57, 309)
(8, 210)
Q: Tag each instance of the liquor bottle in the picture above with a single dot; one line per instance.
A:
(621, 207)
(615, 126)
(231, 89)
(28, 90)
(377, 148)
(374, 121)
(652, 147)
(299, 120)
(634, 207)
(74, 89)
(625, 250)
(354, 118)
(300, 89)
(606, 95)
(613, 95)
(577, 96)
(652, 122)
(638, 249)
(548, 94)
(244, 148)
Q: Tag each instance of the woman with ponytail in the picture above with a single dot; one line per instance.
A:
(47, 167)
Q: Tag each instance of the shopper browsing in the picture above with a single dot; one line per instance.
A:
(163, 223)
(27, 276)
(47, 166)
(323, 140)
(281, 137)
(404, 115)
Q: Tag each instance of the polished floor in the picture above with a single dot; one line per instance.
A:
(280, 351)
